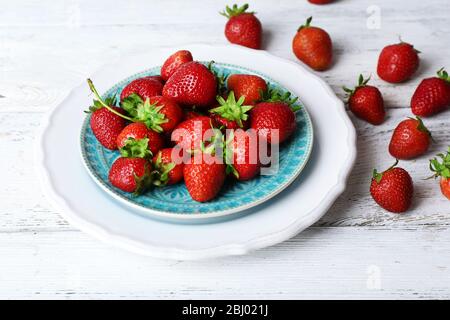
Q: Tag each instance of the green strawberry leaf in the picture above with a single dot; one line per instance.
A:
(135, 148)
(275, 95)
(235, 11)
(231, 109)
(130, 103)
(441, 168)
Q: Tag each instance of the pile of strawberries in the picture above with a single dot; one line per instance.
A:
(192, 124)
(393, 188)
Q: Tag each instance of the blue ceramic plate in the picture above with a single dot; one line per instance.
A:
(175, 201)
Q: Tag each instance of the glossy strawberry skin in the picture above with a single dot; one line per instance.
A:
(247, 85)
(394, 192)
(266, 116)
(320, 1)
(145, 87)
(245, 30)
(397, 63)
(174, 62)
(190, 133)
(313, 46)
(123, 172)
(245, 155)
(171, 110)
(408, 141)
(221, 122)
(192, 84)
(367, 103)
(176, 174)
(445, 187)
(205, 179)
(138, 130)
(431, 96)
(107, 126)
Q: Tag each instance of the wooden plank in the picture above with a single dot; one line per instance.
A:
(342, 263)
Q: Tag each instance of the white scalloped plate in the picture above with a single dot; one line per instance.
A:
(71, 190)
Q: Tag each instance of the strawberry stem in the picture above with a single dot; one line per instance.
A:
(306, 25)
(442, 74)
(99, 99)
(235, 11)
(378, 176)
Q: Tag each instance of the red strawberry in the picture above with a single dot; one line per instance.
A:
(106, 122)
(392, 189)
(398, 62)
(366, 102)
(205, 178)
(168, 167)
(247, 85)
(432, 95)
(192, 84)
(313, 46)
(242, 154)
(189, 114)
(268, 116)
(231, 113)
(130, 174)
(442, 170)
(145, 87)
(223, 123)
(320, 1)
(243, 27)
(190, 134)
(173, 62)
(410, 139)
(136, 140)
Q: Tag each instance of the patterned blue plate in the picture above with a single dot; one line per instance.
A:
(175, 201)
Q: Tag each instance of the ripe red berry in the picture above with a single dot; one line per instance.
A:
(398, 62)
(410, 139)
(243, 27)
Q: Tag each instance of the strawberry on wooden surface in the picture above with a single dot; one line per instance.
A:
(392, 189)
(174, 62)
(320, 1)
(398, 62)
(366, 102)
(432, 95)
(441, 170)
(192, 84)
(145, 87)
(410, 139)
(131, 174)
(243, 27)
(313, 46)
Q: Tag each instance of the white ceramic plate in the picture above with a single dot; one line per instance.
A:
(84, 204)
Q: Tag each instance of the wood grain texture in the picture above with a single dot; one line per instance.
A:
(47, 47)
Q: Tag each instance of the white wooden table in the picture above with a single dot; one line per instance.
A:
(356, 250)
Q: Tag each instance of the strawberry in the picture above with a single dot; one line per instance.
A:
(223, 123)
(432, 95)
(320, 1)
(167, 170)
(242, 154)
(131, 174)
(243, 28)
(249, 86)
(137, 141)
(192, 84)
(366, 102)
(204, 178)
(145, 87)
(392, 189)
(442, 169)
(189, 114)
(313, 46)
(231, 113)
(268, 116)
(173, 62)
(398, 62)
(106, 124)
(190, 134)
(410, 139)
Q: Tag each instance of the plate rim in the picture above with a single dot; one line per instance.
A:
(197, 216)
(102, 233)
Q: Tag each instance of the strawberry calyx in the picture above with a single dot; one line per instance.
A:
(306, 25)
(144, 182)
(442, 74)
(145, 112)
(235, 11)
(231, 109)
(421, 126)
(135, 148)
(161, 171)
(361, 83)
(441, 168)
(379, 175)
(275, 95)
(97, 105)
